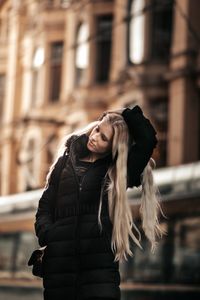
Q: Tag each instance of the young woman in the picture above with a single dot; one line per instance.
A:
(83, 216)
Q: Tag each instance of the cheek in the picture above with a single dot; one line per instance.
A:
(106, 147)
(101, 147)
(91, 134)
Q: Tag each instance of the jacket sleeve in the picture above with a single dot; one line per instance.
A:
(144, 135)
(43, 216)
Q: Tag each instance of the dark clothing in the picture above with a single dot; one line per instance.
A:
(81, 167)
(144, 135)
(99, 298)
(78, 261)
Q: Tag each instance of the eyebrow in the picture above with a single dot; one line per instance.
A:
(104, 134)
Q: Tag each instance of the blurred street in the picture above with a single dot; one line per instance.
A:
(20, 294)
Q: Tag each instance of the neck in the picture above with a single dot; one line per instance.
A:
(93, 156)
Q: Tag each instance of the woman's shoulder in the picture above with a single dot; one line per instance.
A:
(77, 145)
(69, 141)
(61, 160)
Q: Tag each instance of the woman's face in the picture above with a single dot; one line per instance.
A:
(100, 139)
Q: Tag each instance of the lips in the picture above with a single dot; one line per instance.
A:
(91, 144)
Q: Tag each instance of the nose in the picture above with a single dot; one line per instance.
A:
(94, 137)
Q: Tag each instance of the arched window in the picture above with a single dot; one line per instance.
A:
(162, 18)
(82, 51)
(136, 31)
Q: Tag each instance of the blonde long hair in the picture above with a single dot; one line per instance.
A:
(119, 207)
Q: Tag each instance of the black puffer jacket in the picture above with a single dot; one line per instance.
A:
(78, 262)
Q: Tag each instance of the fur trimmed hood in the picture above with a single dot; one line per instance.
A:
(77, 147)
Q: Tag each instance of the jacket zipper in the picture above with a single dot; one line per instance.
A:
(78, 197)
(81, 182)
(77, 220)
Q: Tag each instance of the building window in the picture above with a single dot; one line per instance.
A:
(103, 46)
(51, 148)
(136, 31)
(15, 248)
(34, 86)
(56, 55)
(65, 3)
(82, 52)
(6, 253)
(29, 170)
(4, 26)
(58, 3)
(38, 60)
(24, 245)
(28, 162)
(2, 94)
(161, 29)
(158, 109)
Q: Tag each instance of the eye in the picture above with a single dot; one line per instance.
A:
(103, 138)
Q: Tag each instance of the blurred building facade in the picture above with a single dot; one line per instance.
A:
(62, 63)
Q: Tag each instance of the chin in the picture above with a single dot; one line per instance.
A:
(90, 147)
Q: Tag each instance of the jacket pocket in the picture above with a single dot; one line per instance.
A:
(49, 232)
